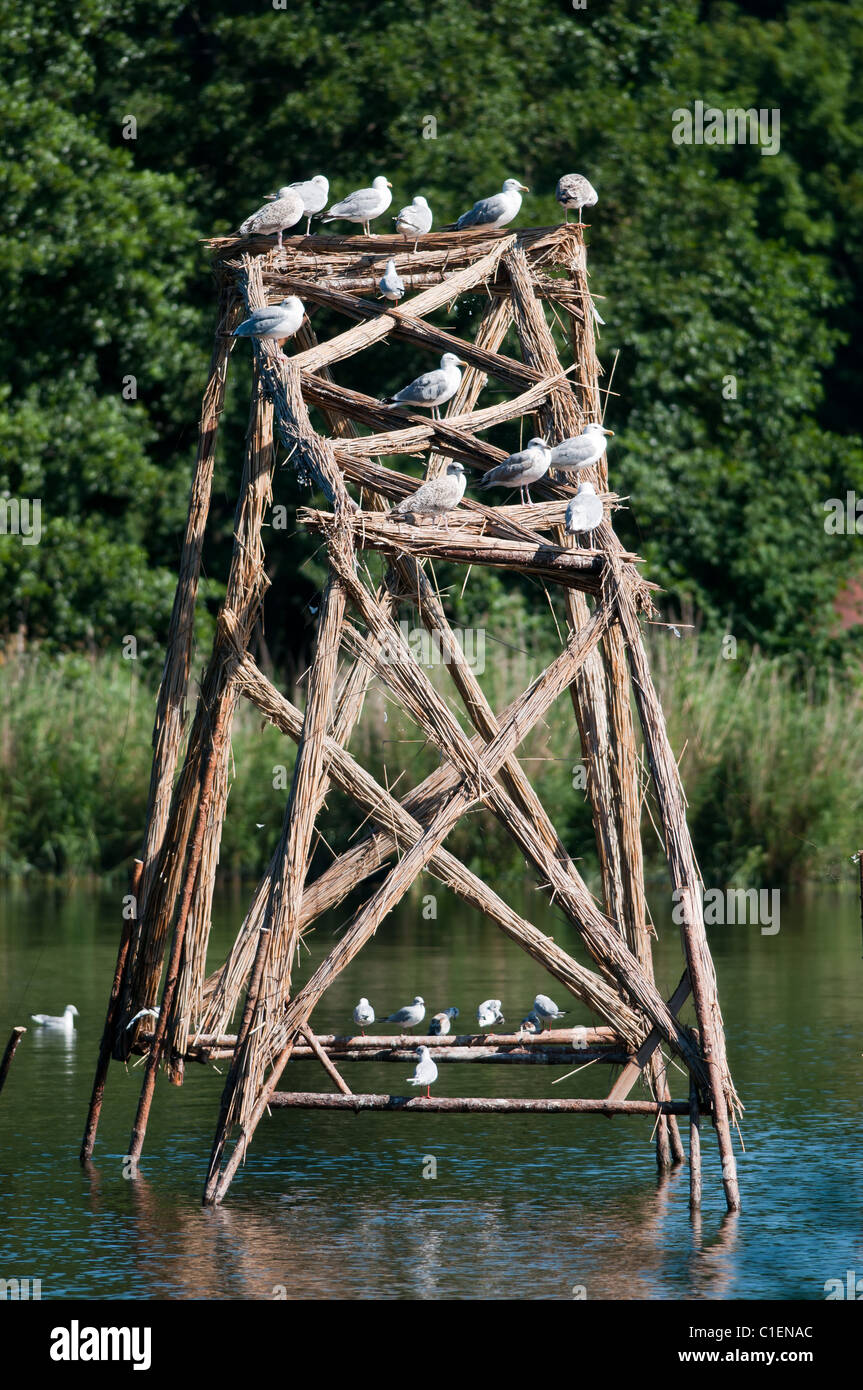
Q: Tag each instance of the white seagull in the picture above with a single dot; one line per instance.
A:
(426, 1072)
(143, 1013)
(66, 1020)
(391, 284)
(280, 212)
(415, 220)
(584, 512)
(521, 469)
(279, 321)
(441, 1023)
(488, 1013)
(362, 206)
(410, 1015)
(363, 1014)
(546, 1008)
(436, 498)
(574, 191)
(581, 450)
(432, 389)
(496, 211)
(314, 193)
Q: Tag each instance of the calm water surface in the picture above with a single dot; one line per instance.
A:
(336, 1205)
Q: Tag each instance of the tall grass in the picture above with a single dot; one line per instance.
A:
(772, 766)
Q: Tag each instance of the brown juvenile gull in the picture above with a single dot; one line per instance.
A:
(432, 389)
(521, 469)
(362, 206)
(279, 321)
(497, 210)
(281, 211)
(437, 498)
(314, 193)
(574, 191)
(415, 220)
(441, 1023)
(581, 451)
(583, 514)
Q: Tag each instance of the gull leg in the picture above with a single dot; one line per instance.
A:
(308, 225)
(281, 229)
(529, 498)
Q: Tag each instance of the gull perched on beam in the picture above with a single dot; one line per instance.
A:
(584, 512)
(436, 498)
(415, 220)
(497, 210)
(363, 1014)
(441, 1023)
(574, 191)
(426, 1072)
(581, 450)
(362, 206)
(281, 211)
(488, 1013)
(410, 1015)
(279, 321)
(546, 1009)
(521, 469)
(391, 284)
(314, 193)
(433, 389)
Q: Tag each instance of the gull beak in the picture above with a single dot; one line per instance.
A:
(462, 363)
(270, 197)
(605, 431)
(524, 188)
(389, 185)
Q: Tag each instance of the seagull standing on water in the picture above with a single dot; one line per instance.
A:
(362, 206)
(391, 284)
(497, 210)
(410, 1015)
(584, 512)
(433, 389)
(66, 1020)
(415, 220)
(437, 498)
(280, 212)
(488, 1013)
(426, 1072)
(363, 1014)
(546, 1008)
(574, 191)
(521, 469)
(581, 451)
(314, 193)
(279, 321)
(440, 1024)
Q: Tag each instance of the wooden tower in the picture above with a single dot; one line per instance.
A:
(519, 280)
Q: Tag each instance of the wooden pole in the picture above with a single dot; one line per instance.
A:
(325, 1061)
(89, 1140)
(473, 1105)
(11, 1047)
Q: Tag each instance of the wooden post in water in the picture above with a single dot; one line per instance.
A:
(9, 1052)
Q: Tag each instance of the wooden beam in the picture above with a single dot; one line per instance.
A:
(473, 1105)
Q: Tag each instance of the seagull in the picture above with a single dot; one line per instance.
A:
(574, 191)
(581, 451)
(432, 389)
(363, 1014)
(437, 498)
(279, 321)
(143, 1013)
(488, 1013)
(415, 220)
(546, 1008)
(314, 193)
(496, 211)
(426, 1072)
(410, 1015)
(440, 1024)
(531, 1024)
(391, 284)
(281, 211)
(64, 1020)
(362, 206)
(521, 469)
(584, 512)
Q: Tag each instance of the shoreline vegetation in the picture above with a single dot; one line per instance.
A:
(771, 764)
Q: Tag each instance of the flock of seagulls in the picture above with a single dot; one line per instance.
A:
(488, 1015)
(439, 496)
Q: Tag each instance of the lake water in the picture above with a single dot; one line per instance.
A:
(336, 1205)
